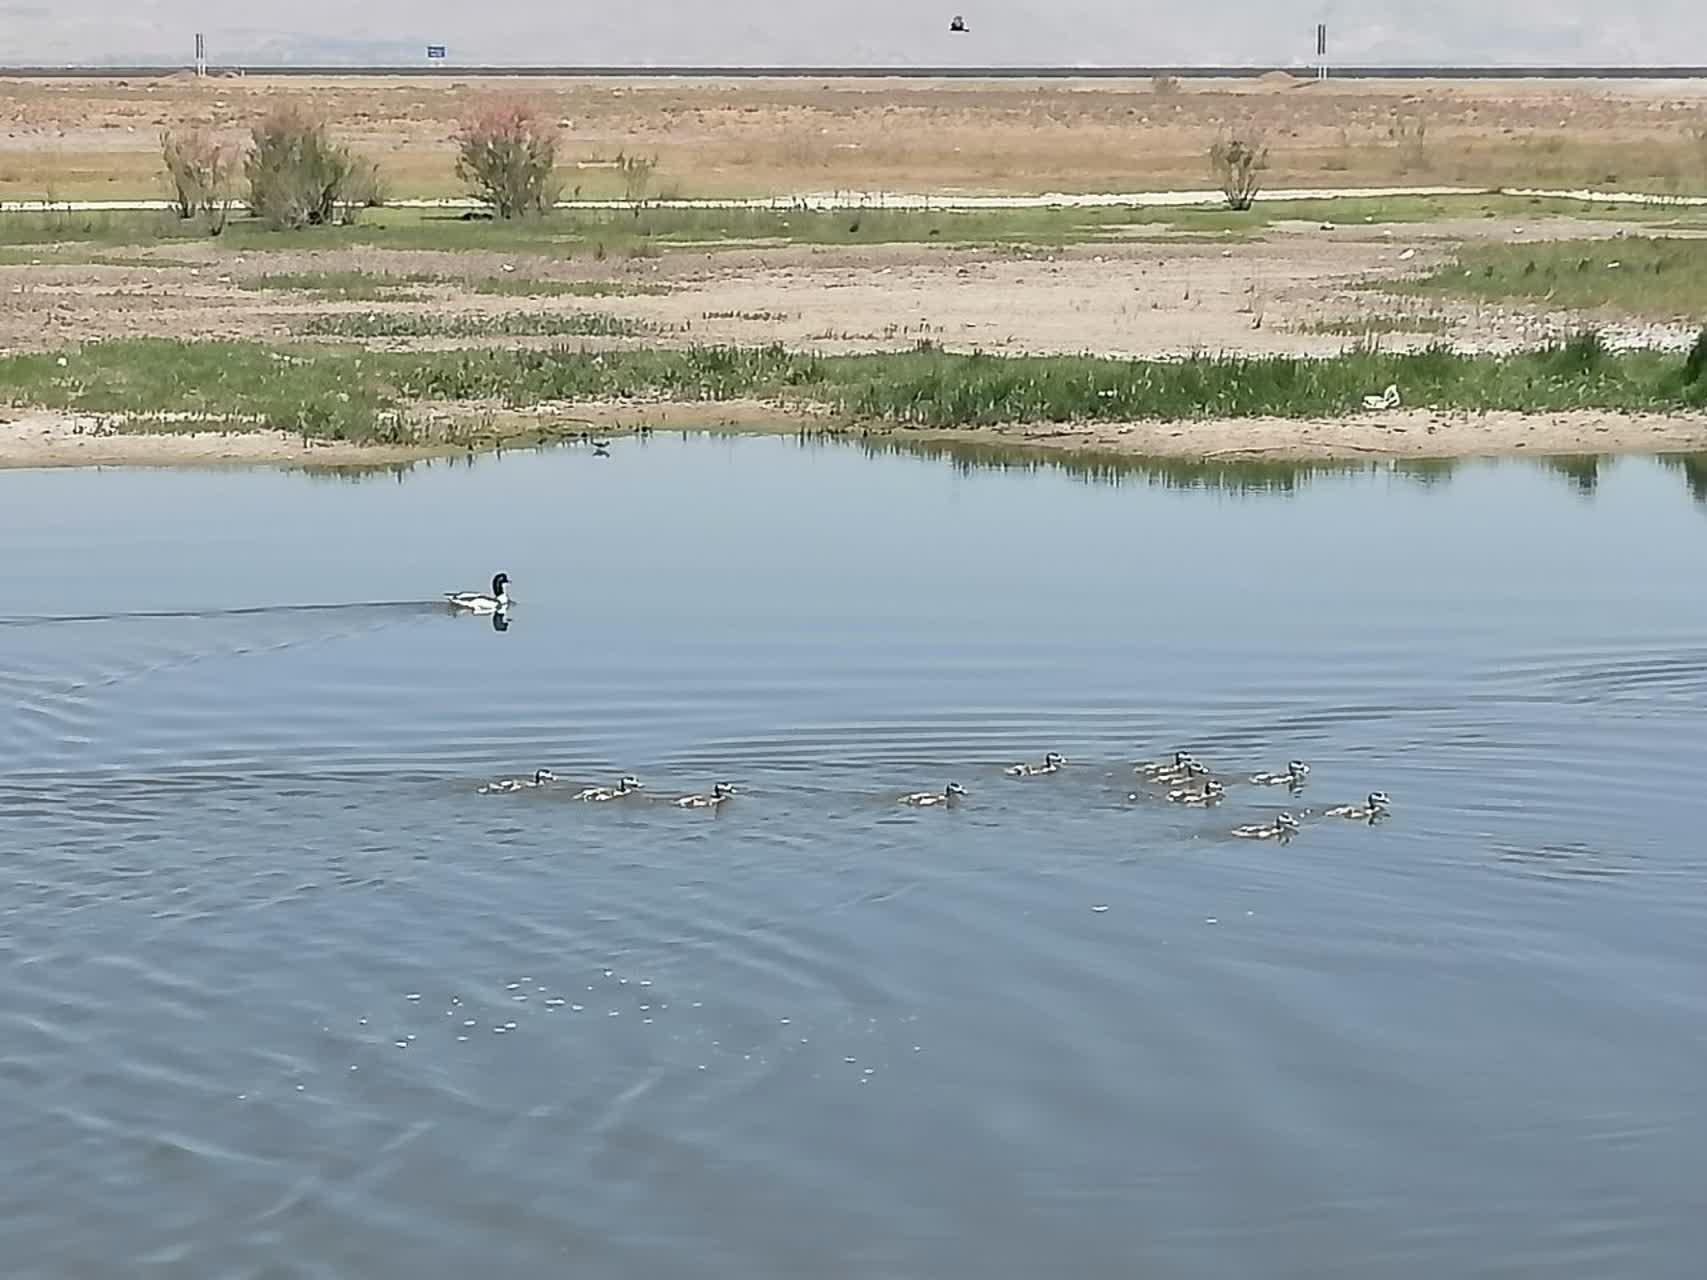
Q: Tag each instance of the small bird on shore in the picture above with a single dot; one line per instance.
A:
(1388, 399)
(481, 602)
(929, 799)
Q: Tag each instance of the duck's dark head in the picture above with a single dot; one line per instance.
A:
(723, 789)
(501, 581)
(1054, 758)
(1378, 800)
(954, 789)
(544, 775)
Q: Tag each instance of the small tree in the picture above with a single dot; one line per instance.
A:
(1238, 162)
(298, 174)
(507, 152)
(199, 171)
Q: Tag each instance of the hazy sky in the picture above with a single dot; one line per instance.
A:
(756, 32)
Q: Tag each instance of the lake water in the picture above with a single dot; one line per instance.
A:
(281, 994)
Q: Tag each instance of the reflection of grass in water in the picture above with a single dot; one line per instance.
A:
(1582, 470)
(1693, 467)
(1648, 276)
(1105, 467)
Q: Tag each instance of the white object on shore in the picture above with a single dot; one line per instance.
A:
(1388, 399)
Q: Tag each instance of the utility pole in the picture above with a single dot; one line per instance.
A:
(201, 56)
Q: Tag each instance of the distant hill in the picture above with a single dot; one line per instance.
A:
(887, 32)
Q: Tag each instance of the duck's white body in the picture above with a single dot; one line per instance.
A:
(1373, 808)
(721, 792)
(1051, 764)
(480, 601)
(599, 795)
(933, 799)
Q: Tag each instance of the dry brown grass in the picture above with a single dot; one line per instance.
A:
(95, 138)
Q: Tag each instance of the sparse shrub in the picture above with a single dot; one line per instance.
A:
(300, 176)
(1695, 364)
(199, 170)
(507, 152)
(636, 174)
(366, 189)
(1164, 86)
(1409, 135)
(1580, 354)
(1238, 162)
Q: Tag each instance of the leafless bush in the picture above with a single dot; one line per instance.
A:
(1237, 161)
(1409, 135)
(636, 174)
(366, 189)
(199, 172)
(507, 152)
(1164, 85)
(299, 175)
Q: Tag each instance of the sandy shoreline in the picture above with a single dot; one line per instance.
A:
(38, 438)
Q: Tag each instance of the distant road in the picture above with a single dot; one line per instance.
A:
(905, 73)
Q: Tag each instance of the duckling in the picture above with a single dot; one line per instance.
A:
(721, 792)
(928, 799)
(1192, 768)
(1209, 792)
(1283, 828)
(1051, 764)
(1157, 768)
(624, 787)
(507, 785)
(1375, 808)
(479, 602)
(1296, 772)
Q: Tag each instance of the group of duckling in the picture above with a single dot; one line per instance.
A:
(625, 788)
(1189, 781)
(1183, 778)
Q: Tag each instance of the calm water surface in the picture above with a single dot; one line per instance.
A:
(282, 995)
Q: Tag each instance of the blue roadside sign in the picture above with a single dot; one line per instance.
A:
(435, 51)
